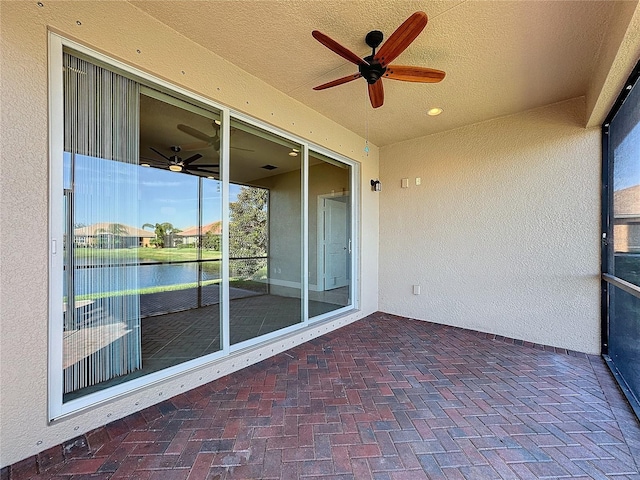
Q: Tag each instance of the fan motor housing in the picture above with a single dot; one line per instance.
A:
(373, 71)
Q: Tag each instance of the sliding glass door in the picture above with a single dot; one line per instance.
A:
(265, 232)
(184, 238)
(143, 222)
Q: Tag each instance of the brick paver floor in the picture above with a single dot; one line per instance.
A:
(384, 398)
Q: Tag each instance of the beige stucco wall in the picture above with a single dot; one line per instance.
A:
(117, 29)
(502, 234)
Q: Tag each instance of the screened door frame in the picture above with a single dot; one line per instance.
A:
(56, 407)
(606, 247)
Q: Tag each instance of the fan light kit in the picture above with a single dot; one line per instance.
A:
(145, 165)
(434, 111)
(377, 65)
(177, 164)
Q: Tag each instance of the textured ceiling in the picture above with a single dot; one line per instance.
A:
(500, 57)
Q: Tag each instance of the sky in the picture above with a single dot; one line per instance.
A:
(117, 192)
(626, 168)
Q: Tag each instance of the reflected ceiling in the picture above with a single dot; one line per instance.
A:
(171, 133)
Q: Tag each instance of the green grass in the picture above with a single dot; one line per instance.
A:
(252, 285)
(142, 291)
(106, 255)
(234, 282)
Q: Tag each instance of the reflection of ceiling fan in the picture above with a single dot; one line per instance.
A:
(206, 140)
(376, 65)
(177, 164)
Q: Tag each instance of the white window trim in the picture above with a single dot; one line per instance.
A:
(57, 409)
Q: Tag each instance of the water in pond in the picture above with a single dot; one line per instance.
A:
(113, 279)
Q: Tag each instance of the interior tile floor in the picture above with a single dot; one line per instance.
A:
(383, 398)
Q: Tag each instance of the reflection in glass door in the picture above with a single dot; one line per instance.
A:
(265, 233)
(144, 228)
(330, 242)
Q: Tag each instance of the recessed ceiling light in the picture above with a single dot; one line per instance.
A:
(211, 177)
(145, 165)
(434, 111)
(295, 149)
(175, 168)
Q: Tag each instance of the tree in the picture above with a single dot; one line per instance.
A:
(211, 241)
(164, 233)
(248, 228)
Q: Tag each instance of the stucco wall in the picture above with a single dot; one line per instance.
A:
(119, 30)
(502, 234)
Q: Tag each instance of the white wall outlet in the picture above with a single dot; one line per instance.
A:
(416, 289)
(404, 183)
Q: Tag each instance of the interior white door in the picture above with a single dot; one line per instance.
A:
(336, 242)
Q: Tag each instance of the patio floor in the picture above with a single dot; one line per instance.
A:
(384, 398)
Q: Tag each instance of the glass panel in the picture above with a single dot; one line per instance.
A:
(625, 149)
(142, 231)
(329, 235)
(265, 234)
(624, 332)
(624, 250)
(101, 329)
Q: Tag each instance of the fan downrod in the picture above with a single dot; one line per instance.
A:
(373, 71)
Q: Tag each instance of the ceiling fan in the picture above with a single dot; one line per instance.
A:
(177, 164)
(206, 140)
(377, 65)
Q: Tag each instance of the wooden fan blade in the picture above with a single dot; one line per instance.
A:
(337, 48)
(337, 82)
(195, 133)
(414, 74)
(192, 158)
(208, 165)
(243, 149)
(401, 38)
(376, 94)
(190, 147)
(161, 154)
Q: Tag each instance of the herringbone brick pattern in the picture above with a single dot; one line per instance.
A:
(384, 398)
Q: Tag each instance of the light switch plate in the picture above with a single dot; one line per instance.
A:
(405, 183)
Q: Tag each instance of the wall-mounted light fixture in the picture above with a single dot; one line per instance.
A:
(376, 186)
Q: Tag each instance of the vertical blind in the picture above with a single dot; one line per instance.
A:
(101, 304)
